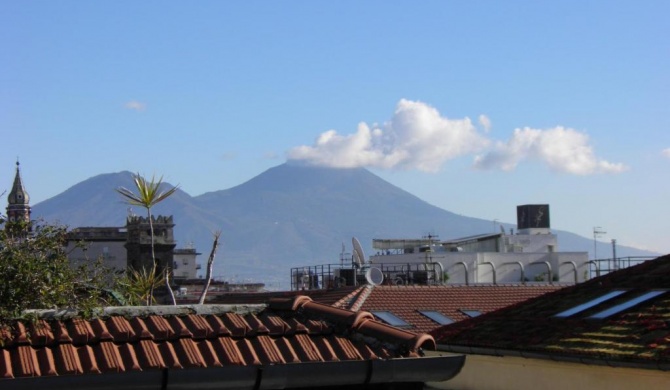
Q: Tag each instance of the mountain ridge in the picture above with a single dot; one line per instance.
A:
(287, 216)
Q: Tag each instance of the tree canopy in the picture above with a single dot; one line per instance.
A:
(36, 273)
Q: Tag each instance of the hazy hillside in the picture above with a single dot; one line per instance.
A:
(287, 216)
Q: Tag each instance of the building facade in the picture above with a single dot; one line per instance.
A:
(528, 255)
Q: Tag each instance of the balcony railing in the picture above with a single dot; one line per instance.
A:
(329, 276)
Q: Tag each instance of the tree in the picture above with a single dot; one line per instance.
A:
(210, 265)
(148, 195)
(36, 273)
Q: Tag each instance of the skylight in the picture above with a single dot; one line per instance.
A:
(471, 313)
(390, 318)
(437, 317)
(628, 304)
(590, 304)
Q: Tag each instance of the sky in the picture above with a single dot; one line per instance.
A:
(475, 107)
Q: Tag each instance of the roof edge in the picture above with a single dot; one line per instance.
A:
(143, 311)
(651, 365)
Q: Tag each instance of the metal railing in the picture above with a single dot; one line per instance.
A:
(329, 276)
(599, 267)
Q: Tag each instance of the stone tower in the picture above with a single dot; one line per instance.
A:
(138, 244)
(18, 201)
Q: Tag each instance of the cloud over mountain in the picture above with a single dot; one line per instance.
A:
(562, 149)
(419, 137)
(416, 137)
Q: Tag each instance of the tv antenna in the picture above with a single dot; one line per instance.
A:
(597, 232)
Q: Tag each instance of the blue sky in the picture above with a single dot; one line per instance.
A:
(475, 107)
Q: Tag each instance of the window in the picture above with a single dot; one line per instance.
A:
(390, 318)
(590, 304)
(471, 313)
(437, 317)
(626, 305)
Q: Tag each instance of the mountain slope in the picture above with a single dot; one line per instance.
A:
(288, 216)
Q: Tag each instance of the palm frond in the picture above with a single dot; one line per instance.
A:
(148, 191)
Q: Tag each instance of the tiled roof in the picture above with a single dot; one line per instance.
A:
(327, 296)
(172, 341)
(637, 335)
(406, 301)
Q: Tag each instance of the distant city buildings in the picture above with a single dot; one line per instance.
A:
(529, 254)
(117, 247)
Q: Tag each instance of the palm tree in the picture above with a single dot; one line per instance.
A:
(148, 195)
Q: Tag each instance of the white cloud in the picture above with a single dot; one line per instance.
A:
(416, 137)
(562, 149)
(485, 122)
(666, 152)
(135, 105)
(228, 156)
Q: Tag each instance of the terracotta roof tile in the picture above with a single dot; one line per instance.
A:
(148, 354)
(108, 357)
(226, 352)
(160, 328)
(88, 361)
(237, 326)
(5, 364)
(40, 333)
(406, 302)
(289, 331)
(217, 326)
(67, 361)
(119, 328)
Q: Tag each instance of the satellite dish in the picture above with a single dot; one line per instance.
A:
(359, 256)
(374, 276)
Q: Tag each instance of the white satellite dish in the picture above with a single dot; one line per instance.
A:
(374, 276)
(359, 256)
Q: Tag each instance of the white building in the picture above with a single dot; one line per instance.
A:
(185, 266)
(531, 254)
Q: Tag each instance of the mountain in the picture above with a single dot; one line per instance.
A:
(288, 216)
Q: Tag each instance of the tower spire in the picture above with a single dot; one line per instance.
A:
(18, 200)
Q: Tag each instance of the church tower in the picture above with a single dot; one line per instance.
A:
(138, 243)
(18, 201)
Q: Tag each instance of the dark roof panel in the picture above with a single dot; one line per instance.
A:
(631, 328)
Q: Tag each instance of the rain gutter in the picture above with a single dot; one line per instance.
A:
(277, 376)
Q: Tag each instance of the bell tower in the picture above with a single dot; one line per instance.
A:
(18, 201)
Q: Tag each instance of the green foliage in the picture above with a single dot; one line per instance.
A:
(148, 192)
(148, 195)
(36, 273)
(137, 286)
